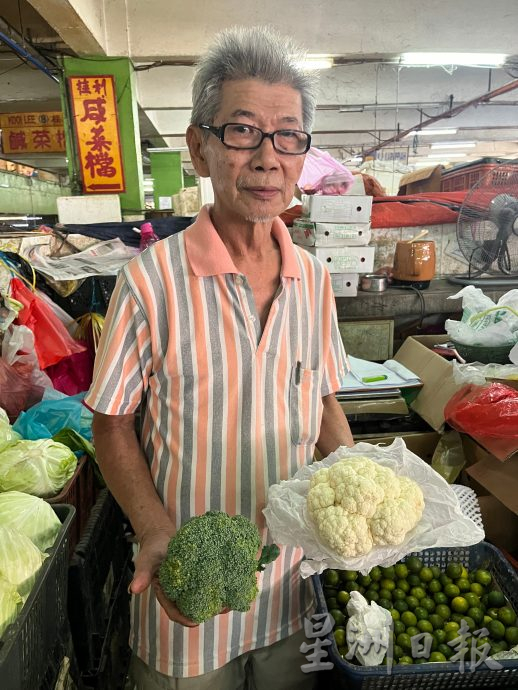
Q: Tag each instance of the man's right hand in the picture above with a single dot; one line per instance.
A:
(153, 550)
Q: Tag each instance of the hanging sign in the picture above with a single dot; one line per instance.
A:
(32, 132)
(94, 110)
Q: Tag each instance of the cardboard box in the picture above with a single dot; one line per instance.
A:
(345, 284)
(309, 234)
(422, 444)
(337, 209)
(500, 523)
(498, 478)
(435, 372)
(345, 259)
(424, 180)
(379, 406)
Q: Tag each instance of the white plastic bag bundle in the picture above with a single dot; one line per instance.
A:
(485, 323)
(369, 626)
(442, 524)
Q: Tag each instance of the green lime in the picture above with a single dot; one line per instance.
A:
(413, 580)
(426, 575)
(439, 635)
(338, 616)
(451, 635)
(511, 635)
(481, 641)
(395, 614)
(405, 660)
(436, 621)
(476, 614)
(421, 613)
(401, 570)
(403, 641)
(404, 585)
(412, 602)
(412, 630)
(371, 595)
(418, 592)
(499, 646)
(331, 577)
(414, 564)
(408, 618)
(486, 620)
(428, 604)
(443, 611)
(375, 574)
(399, 627)
(364, 580)
(375, 586)
(349, 575)
(440, 598)
(445, 580)
(483, 577)
(340, 637)
(437, 657)
(385, 603)
(434, 586)
(401, 605)
(446, 650)
(477, 589)
(468, 620)
(495, 599)
(454, 570)
(330, 592)
(459, 605)
(352, 586)
(472, 599)
(397, 652)
(332, 603)
(506, 615)
(424, 626)
(436, 572)
(388, 572)
(451, 591)
(463, 584)
(451, 625)
(343, 597)
(493, 612)
(385, 593)
(398, 594)
(496, 630)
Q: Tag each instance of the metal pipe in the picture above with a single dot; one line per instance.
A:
(449, 113)
(27, 56)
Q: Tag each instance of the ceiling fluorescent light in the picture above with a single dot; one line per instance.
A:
(315, 62)
(464, 59)
(453, 145)
(430, 132)
(447, 155)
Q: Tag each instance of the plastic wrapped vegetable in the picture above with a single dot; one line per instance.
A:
(20, 560)
(40, 468)
(10, 604)
(7, 433)
(31, 516)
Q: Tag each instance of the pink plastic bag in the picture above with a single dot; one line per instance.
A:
(73, 374)
(17, 392)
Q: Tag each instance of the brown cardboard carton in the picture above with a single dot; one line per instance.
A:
(500, 523)
(420, 443)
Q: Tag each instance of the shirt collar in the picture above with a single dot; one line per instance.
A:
(209, 256)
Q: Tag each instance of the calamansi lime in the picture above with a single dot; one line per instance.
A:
(428, 604)
(408, 618)
(376, 574)
(401, 570)
(476, 613)
(443, 611)
(343, 597)
(506, 615)
(414, 564)
(412, 602)
(437, 657)
(424, 626)
(434, 586)
(425, 575)
(436, 621)
(483, 577)
(347, 575)
(331, 578)
(463, 584)
(511, 635)
(403, 641)
(477, 589)
(451, 591)
(340, 637)
(459, 605)
(496, 630)
(454, 570)
(495, 599)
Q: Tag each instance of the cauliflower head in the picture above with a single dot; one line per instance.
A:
(357, 504)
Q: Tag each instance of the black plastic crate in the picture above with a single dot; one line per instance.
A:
(61, 666)
(29, 642)
(432, 676)
(113, 663)
(96, 568)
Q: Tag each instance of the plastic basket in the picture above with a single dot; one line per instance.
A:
(484, 354)
(80, 491)
(465, 176)
(96, 568)
(28, 643)
(436, 676)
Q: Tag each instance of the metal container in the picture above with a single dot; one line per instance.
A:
(373, 282)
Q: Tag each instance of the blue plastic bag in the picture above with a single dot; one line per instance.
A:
(47, 417)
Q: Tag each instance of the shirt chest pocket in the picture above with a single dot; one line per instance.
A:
(305, 405)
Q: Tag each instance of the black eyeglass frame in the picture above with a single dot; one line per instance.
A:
(219, 132)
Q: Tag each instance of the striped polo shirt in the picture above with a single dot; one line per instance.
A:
(228, 410)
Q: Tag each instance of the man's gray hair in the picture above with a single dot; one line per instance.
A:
(245, 53)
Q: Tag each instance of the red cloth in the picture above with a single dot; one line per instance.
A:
(415, 209)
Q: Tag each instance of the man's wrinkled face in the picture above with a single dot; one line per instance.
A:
(253, 185)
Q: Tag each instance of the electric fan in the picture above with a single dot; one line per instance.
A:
(487, 229)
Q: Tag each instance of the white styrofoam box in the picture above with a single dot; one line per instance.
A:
(345, 284)
(89, 208)
(345, 259)
(322, 208)
(310, 234)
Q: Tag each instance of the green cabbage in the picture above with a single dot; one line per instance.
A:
(20, 560)
(31, 516)
(7, 433)
(41, 468)
(10, 604)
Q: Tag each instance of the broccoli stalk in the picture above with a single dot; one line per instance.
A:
(211, 564)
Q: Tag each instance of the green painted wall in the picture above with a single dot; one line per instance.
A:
(27, 195)
(189, 180)
(167, 173)
(132, 201)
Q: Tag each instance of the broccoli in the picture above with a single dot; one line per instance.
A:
(211, 564)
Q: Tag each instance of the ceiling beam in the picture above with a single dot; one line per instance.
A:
(64, 18)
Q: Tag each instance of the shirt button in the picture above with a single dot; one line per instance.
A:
(252, 319)
(239, 280)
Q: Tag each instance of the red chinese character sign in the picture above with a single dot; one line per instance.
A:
(94, 108)
(32, 132)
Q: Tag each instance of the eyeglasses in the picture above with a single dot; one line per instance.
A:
(236, 135)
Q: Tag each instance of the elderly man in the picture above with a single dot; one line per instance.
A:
(227, 333)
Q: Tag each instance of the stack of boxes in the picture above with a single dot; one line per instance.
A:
(337, 230)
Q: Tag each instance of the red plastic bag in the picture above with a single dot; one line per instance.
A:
(17, 392)
(52, 341)
(72, 375)
(487, 413)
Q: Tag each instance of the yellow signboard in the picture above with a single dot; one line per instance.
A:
(32, 132)
(94, 108)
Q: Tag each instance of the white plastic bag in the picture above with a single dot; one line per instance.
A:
(442, 524)
(484, 322)
(369, 626)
